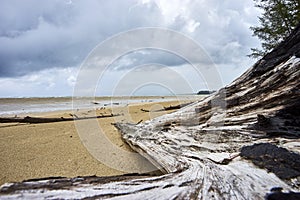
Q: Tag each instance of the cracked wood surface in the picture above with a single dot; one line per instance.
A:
(208, 149)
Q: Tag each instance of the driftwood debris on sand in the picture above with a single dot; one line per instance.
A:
(241, 142)
(171, 107)
(38, 120)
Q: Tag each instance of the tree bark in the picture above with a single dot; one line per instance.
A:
(241, 142)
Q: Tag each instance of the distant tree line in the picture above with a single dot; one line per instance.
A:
(202, 92)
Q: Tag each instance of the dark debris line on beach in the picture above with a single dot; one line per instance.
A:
(38, 120)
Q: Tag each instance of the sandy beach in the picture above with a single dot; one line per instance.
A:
(29, 151)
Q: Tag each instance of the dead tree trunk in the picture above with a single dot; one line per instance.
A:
(240, 143)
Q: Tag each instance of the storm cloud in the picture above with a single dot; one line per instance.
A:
(54, 35)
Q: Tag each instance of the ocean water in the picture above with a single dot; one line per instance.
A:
(15, 106)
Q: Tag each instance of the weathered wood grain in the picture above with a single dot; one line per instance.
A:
(218, 148)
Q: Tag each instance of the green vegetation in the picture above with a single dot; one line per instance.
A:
(278, 19)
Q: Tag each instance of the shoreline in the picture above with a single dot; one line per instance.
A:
(10, 107)
(54, 149)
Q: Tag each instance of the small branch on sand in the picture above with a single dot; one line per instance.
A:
(174, 107)
(140, 121)
(144, 110)
(38, 120)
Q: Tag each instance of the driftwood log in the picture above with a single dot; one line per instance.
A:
(176, 107)
(39, 120)
(241, 142)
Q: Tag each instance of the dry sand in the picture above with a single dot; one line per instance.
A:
(30, 151)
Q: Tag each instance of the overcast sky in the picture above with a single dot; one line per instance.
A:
(43, 43)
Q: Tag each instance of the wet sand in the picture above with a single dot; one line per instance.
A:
(30, 151)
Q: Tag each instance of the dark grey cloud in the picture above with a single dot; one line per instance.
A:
(42, 42)
(37, 35)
